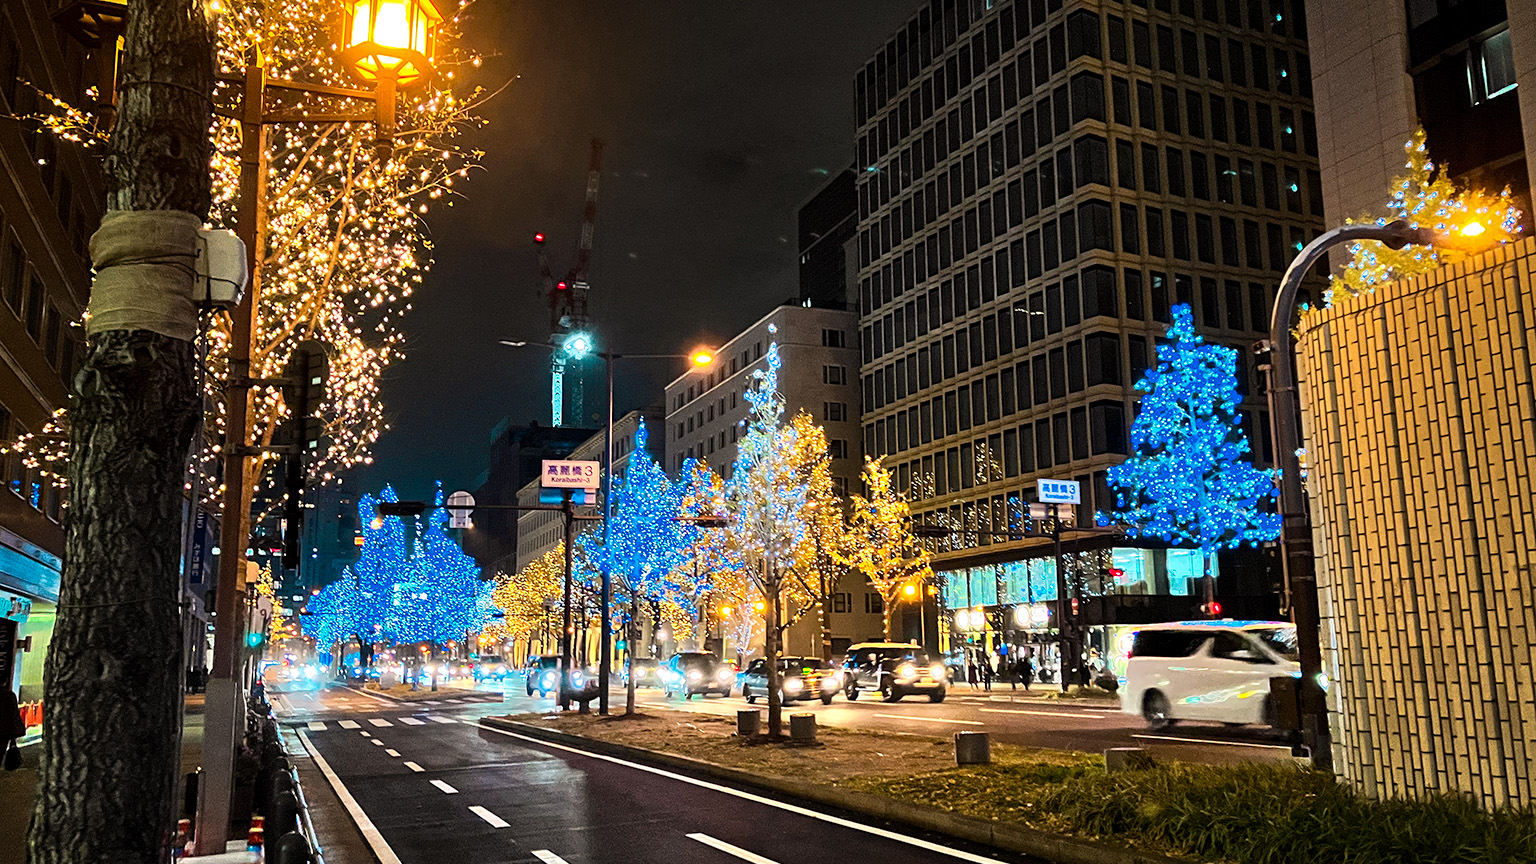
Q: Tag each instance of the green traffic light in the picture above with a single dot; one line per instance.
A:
(253, 639)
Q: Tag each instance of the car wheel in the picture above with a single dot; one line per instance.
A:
(852, 693)
(688, 696)
(530, 691)
(826, 698)
(937, 695)
(1154, 709)
(747, 694)
(888, 693)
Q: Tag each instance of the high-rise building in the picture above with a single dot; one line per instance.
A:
(51, 198)
(516, 455)
(1039, 182)
(828, 259)
(1453, 67)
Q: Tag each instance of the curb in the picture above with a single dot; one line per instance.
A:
(1057, 848)
(463, 696)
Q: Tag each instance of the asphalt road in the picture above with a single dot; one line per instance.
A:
(428, 784)
(1012, 717)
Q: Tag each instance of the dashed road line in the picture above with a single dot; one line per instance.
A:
(548, 857)
(376, 842)
(930, 719)
(446, 789)
(414, 767)
(348, 724)
(491, 818)
(1041, 713)
(392, 752)
(377, 742)
(729, 849)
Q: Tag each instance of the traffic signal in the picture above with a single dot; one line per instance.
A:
(1116, 574)
(1211, 609)
(539, 238)
(1074, 605)
(254, 639)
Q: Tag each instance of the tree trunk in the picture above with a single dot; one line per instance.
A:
(771, 655)
(826, 619)
(113, 679)
(629, 655)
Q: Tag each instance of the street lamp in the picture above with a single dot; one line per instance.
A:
(1469, 235)
(581, 344)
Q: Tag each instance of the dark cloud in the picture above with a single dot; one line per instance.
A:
(719, 119)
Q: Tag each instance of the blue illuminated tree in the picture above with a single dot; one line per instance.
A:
(441, 594)
(1189, 480)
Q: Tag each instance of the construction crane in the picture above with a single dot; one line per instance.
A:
(568, 305)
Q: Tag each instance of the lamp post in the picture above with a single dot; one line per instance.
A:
(1285, 418)
(576, 345)
(387, 43)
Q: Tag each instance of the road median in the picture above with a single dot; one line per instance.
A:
(911, 749)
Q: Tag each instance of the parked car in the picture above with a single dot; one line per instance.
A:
(491, 668)
(799, 678)
(645, 671)
(691, 672)
(1207, 670)
(543, 676)
(893, 670)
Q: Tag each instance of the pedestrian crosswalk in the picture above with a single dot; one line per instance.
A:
(413, 721)
(377, 722)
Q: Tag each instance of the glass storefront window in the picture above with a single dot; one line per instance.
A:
(1183, 566)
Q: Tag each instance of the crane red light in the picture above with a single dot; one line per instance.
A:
(539, 238)
(560, 286)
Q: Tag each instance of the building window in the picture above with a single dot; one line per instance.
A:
(834, 375)
(834, 411)
(874, 604)
(837, 448)
(833, 339)
(842, 601)
(1491, 68)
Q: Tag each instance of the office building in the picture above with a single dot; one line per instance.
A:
(1040, 182)
(1454, 68)
(828, 259)
(516, 455)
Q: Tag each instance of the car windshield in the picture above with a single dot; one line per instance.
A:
(548, 662)
(645, 664)
(490, 659)
(695, 661)
(1281, 640)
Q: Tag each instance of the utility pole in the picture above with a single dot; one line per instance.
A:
(113, 679)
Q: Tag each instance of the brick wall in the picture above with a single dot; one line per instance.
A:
(1419, 409)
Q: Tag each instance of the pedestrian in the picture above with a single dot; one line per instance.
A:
(12, 726)
(970, 669)
(1026, 670)
(986, 671)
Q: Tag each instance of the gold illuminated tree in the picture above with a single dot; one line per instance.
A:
(820, 559)
(1424, 196)
(884, 548)
(346, 245)
(526, 597)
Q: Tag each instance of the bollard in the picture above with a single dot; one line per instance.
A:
(802, 728)
(1117, 759)
(973, 748)
(748, 721)
(285, 813)
(291, 848)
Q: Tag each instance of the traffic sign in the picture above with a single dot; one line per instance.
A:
(569, 474)
(1060, 492)
(459, 504)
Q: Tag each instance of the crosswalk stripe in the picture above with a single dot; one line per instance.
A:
(548, 857)
(316, 726)
(348, 724)
(413, 766)
(447, 790)
(494, 820)
(379, 721)
(413, 721)
(731, 850)
(444, 720)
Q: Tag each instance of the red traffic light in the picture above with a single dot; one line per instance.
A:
(539, 238)
(1074, 605)
(560, 286)
(1211, 609)
(1116, 573)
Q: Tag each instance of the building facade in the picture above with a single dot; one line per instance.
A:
(516, 455)
(51, 199)
(1040, 182)
(827, 225)
(1453, 68)
(707, 412)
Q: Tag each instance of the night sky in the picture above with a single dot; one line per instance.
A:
(720, 120)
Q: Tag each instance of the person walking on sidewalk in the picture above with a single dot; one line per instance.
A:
(12, 727)
(986, 670)
(1027, 670)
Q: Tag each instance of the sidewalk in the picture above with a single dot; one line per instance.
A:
(337, 835)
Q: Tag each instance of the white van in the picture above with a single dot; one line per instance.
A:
(1207, 670)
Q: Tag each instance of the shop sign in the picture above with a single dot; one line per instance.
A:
(15, 608)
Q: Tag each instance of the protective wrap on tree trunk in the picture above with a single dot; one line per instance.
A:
(145, 264)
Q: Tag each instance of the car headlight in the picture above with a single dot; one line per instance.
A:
(906, 670)
(793, 685)
(694, 675)
(937, 671)
(578, 678)
(725, 675)
(549, 676)
(831, 682)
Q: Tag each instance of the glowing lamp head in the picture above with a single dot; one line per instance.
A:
(377, 523)
(578, 344)
(909, 590)
(702, 357)
(389, 39)
(759, 606)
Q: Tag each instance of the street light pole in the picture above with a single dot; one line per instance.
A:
(1285, 418)
(605, 602)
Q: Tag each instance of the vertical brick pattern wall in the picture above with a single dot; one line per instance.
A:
(1419, 412)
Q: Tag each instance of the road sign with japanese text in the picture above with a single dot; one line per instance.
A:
(567, 474)
(1060, 492)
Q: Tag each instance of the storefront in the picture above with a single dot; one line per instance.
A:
(29, 594)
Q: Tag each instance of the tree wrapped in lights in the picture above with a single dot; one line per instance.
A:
(884, 548)
(765, 509)
(527, 598)
(438, 595)
(346, 244)
(821, 557)
(1424, 196)
(1188, 480)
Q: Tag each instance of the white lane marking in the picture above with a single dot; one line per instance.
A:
(375, 840)
(377, 697)
(430, 702)
(412, 721)
(392, 752)
(1212, 741)
(1040, 713)
(317, 726)
(494, 820)
(444, 720)
(731, 850)
(447, 790)
(379, 721)
(548, 857)
(929, 719)
(757, 799)
(365, 733)
(348, 724)
(378, 743)
(414, 767)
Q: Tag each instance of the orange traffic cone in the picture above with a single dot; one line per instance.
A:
(29, 713)
(257, 835)
(37, 713)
